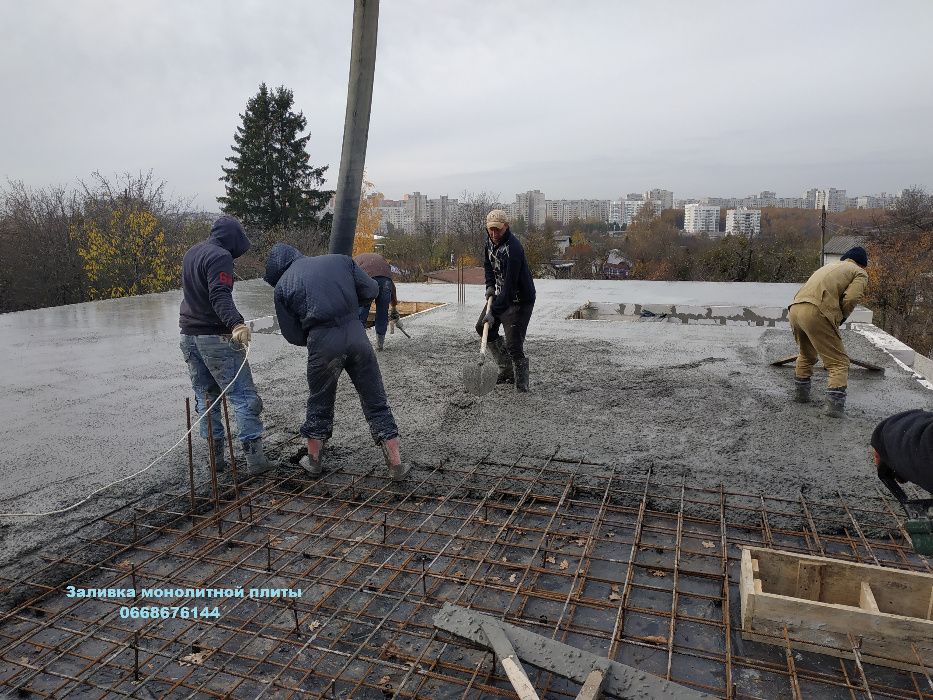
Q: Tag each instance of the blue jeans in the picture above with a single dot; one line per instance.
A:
(382, 306)
(331, 350)
(213, 360)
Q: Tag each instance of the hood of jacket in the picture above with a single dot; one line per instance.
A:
(229, 235)
(280, 257)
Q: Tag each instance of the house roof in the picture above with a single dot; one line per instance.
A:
(616, 258)
(837, 245)
(471, 275)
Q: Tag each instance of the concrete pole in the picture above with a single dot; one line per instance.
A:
(823, 237)
(356, 125)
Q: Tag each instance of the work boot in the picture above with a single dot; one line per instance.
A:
(380, 341)
(501, 356)
(256, 461)
(521, 375)
(391, 451)
(802, 390)
(220, 460)
(836, 402)
(313, 462)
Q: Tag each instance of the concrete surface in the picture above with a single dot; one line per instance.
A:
(93, 392)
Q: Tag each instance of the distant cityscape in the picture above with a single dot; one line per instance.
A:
(743, 214)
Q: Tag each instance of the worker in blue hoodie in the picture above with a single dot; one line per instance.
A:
(214, 339)
(317, 302)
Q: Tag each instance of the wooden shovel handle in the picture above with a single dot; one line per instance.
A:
(482, 346)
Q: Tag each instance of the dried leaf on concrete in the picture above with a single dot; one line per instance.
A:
(551, 560)
(658, 573)
(580, 542)
(314, 624)
(615, 597)
(512, 578)
(385, 680)
(564, 564)
(656, 638)
(708, 544)
(195, 659)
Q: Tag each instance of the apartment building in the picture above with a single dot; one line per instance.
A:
(700, 218)
(746, 222)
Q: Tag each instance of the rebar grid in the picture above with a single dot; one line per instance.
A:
(616, 564)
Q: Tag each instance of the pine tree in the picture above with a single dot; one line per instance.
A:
(270, 182)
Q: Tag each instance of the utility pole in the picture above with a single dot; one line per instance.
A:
(356, 125)
(823, 237)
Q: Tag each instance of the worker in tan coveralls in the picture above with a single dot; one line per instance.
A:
(819, 308)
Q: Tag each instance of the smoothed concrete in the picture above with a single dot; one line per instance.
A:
(94, 392)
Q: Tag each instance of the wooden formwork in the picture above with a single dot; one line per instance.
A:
(877, 614)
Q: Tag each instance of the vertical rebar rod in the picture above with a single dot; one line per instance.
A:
(210, 449)
(190, 453)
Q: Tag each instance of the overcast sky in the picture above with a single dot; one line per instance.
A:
(576, 98)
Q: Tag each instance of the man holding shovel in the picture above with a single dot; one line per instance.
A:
(512, 289)
(379, 269)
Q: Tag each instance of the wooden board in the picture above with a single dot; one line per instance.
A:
(824, 603)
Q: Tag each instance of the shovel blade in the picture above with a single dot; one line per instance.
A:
(479, 378)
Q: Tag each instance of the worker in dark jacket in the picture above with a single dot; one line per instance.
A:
(509, 283)
(376, 267)
(214, 340)
(903, 444)
(317, 302)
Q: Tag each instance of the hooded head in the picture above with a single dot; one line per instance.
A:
(229, 235)
(856, 255)
(280, 257)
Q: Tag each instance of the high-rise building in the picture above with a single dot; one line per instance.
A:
(699, 218)
(531, 206)
(665, 197)
(834, 200)
(743, 221)
(442, 212)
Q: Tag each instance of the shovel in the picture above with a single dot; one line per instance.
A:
(479, 378)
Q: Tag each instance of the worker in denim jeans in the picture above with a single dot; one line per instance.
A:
(214, 340)
(376, 267)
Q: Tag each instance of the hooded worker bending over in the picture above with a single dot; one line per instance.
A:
(903, 444)
(317, 302)
(819, 308)
(376, 267)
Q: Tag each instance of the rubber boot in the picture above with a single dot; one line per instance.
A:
(380, 342)
(836, 402)
(802, 390)
(313, 462)
(256, 461)
(220, 456)
(501, 356)
(521, 375)
(391, 451)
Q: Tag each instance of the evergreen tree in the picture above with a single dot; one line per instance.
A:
(270, 182)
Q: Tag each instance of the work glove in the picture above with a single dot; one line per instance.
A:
(242, 334)
(490, 292)
(489, 318)
(394, 314)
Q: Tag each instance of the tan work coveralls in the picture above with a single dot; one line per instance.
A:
(821, 305)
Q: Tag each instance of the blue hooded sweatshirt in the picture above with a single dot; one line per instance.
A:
(323, 291)
(207, 306)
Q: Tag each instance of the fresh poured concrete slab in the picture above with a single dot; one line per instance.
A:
(94, 392)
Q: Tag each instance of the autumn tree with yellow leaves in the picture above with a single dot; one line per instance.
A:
(368, 219)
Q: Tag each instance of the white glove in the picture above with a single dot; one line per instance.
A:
(242, 334)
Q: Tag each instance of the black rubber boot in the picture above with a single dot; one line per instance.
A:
(802, 390)
(256, 461)
(836, 402)
(501, 356)
(521, 375)
(380, 342)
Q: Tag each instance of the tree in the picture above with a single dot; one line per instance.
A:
(368, 219)
(270, 182)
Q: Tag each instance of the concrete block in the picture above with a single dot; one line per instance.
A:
(861, 315)
(658, 309)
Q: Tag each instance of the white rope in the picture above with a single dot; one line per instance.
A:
(144, 469)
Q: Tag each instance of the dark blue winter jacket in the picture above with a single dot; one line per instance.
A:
(904, 443)
(207, 306)
(508, 273)
(326, 290)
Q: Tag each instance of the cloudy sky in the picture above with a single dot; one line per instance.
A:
(582, 98)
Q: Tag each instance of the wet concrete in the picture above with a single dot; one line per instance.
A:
(93, 392)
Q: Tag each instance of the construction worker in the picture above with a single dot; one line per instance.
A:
(903, 444)
(376, 267)
(509, 283)
(820, 307)
(214, 340)
(317, 302)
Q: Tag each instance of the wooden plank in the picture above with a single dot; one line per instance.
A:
(809, 580)
(747, 585)
(518, 679)
(593, 685)
(866, 599)
(930, 606)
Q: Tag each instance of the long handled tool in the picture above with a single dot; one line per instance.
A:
(398, 324)
(861, 363)
(479, 378)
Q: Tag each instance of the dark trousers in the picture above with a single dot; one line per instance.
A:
(514, 322)
(330, 351)
(383, 301)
